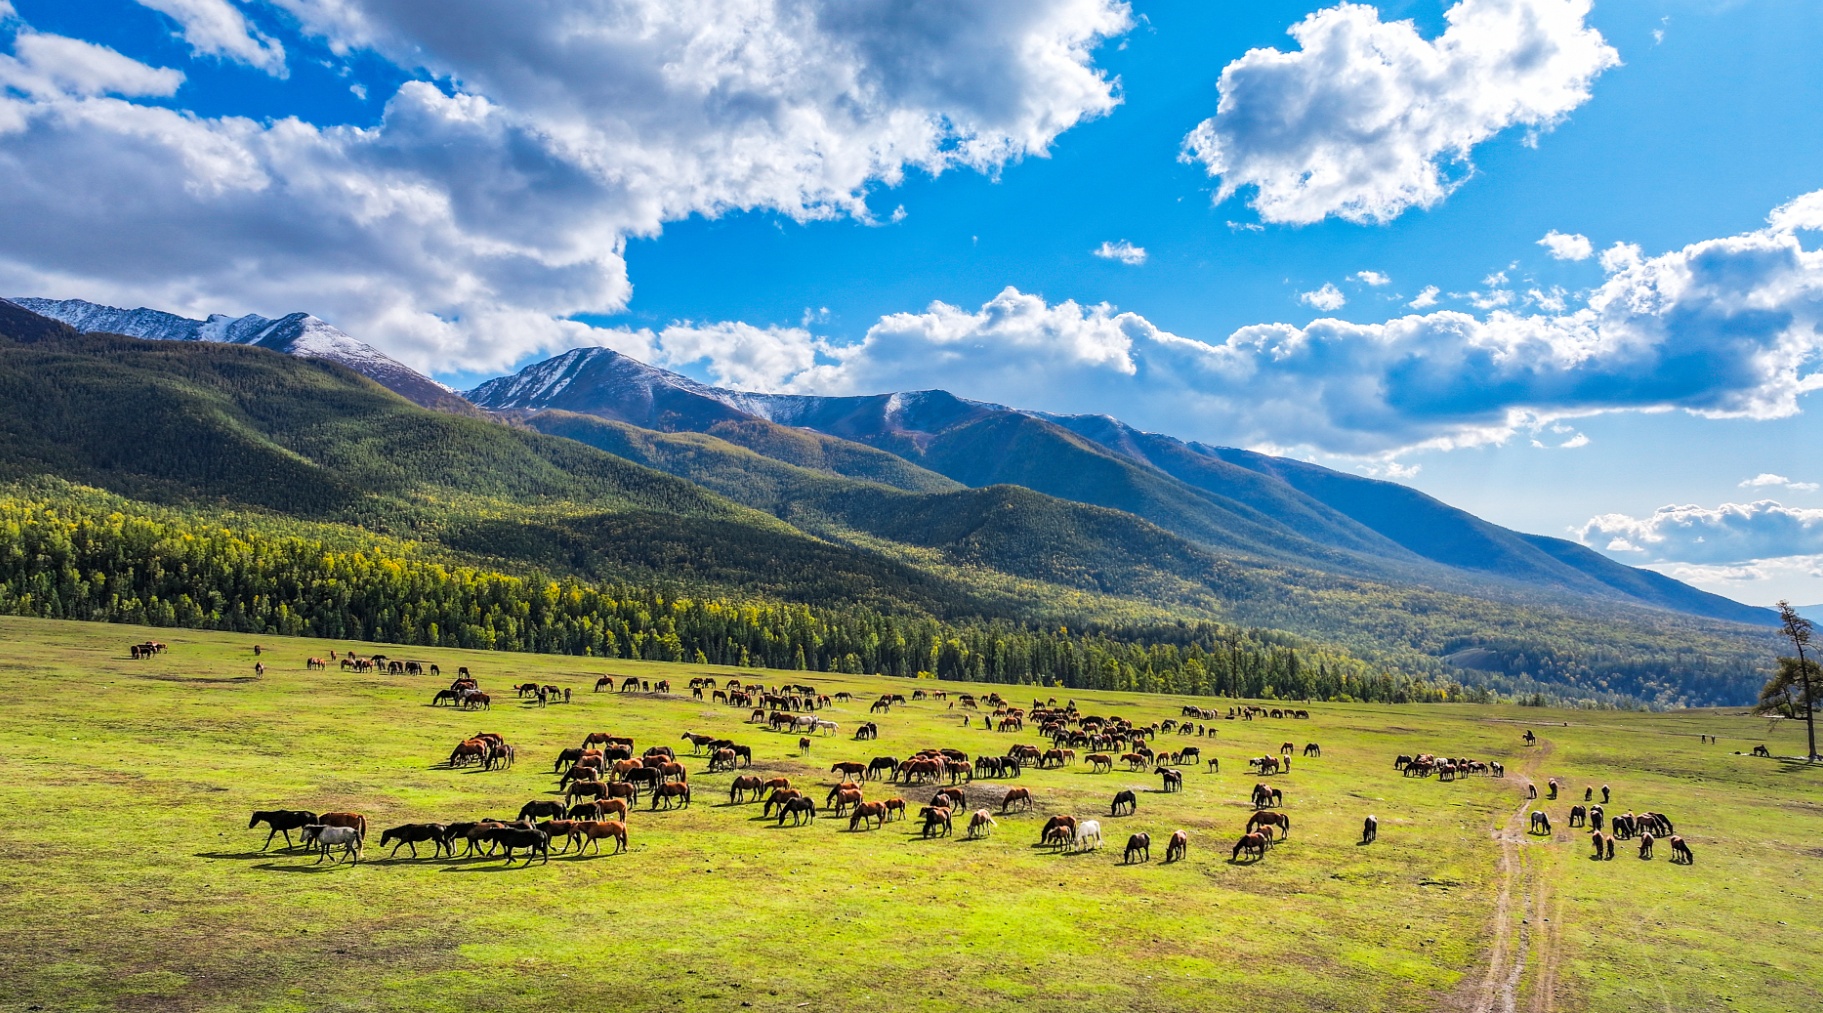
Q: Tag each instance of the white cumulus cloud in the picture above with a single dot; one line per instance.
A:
(1567, 246)
(1728, 327)
(1327, 298)
(464, 228)
(1359, 120)
(1767, 479)
(218, 28)
(1730, 533)
(1122, 251)
(1425, 299)
(1373, 278)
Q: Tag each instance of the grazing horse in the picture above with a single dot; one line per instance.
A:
(1138, 844)
(1020, 795)
(592, 831)
(1262, 819)
(799, 809)
(1603, 843)
(1541, 823)
(895, 805)
(1124, 798)
(539, 809)
(1265, 795)
(1579, 816)
(1099, 762)
(671, 790)
(850, 769)
(282, 821)
(1312, 749)
(1681, 850)
(747, 784)
(411, 835)
(779, 797)
(1645, 844)
(1177, 847)
(1253, 844)
(936, 817)
(981, 823)
(321, 838)
(875, 811)
(846, 798)
(1088, 835)
(1370, 830)
(1173, 778)
(1058, 830)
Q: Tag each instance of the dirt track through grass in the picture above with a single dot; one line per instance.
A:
(128, 879)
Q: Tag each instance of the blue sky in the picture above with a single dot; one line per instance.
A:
(876, 195)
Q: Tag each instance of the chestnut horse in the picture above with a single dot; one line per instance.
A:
(1253, 844)
(1021, 795)
(1178, 847)
(1266, 819)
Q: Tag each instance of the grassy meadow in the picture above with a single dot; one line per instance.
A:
(131, 882)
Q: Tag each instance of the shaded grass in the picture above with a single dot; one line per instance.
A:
(131, 881)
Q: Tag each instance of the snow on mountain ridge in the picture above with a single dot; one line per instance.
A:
(298, 334)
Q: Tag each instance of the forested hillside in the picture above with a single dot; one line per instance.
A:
(298, 449)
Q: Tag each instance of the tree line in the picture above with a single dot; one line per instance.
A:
(76, 560)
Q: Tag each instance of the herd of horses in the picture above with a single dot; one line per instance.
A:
(601, 781)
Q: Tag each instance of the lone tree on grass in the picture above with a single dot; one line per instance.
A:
(1799, 673)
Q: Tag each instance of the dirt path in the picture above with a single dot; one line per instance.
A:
(1525, 923)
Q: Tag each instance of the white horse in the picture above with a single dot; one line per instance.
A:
(325, 837)
(807, 722)
(818, 724)
(1086, 831)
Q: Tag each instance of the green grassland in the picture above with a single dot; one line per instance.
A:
(130, 881)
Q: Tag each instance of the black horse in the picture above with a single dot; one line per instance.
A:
(282, 821)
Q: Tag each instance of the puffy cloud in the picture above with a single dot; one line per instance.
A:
(1727, 327)
(1122, 251)
(1425, 299)
(218, 28)
(1328, 298)
(740, 355)
(1373, 278)
(1014, 348)
(1767, 479)
(1567, 246)
(1730, 533)
(1358, 121)
(460, 231)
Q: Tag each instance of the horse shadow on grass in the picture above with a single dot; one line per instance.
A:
(304, 869)
(245, 856)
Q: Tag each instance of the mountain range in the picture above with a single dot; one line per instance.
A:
(595, 464)
(1233, 501)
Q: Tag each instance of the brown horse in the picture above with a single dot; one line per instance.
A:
(1270, 819)
(1021, 795)
(895, 805)
(1603, 844)
(592, 831)
(875, 811)
(849, 769)
(1099, 762)
(1177, 847)
(936, 818)
(585, 789)
(779, 797)
(747, 784)
(679, 790)
(1138, 844)
(1253, 844)
(1681, 851)
(353, 821)
(846, 798)
(1060, 830)
(981, 823)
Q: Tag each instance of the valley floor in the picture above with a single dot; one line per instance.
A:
(130, 881)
